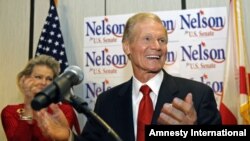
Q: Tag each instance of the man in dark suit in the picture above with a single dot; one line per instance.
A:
(169, 100)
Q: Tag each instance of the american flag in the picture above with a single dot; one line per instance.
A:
(51, 40)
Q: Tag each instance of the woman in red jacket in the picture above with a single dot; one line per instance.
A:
(18, 121)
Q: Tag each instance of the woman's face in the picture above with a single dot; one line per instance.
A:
(41, 76)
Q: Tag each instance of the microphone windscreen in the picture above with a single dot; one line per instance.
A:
(78, 72)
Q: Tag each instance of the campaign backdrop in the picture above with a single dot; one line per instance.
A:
(196, 49)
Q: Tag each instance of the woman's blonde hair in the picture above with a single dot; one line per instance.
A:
(40, 60)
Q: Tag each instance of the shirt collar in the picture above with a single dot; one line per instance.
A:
(154, 83)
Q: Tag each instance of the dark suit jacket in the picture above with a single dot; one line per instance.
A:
(115, 107)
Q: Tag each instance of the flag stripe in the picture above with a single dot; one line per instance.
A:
(227, 117)
(243, 86)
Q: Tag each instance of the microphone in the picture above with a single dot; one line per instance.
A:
(60, 86)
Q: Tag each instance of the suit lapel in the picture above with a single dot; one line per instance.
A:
(124, 111)
(166, 94)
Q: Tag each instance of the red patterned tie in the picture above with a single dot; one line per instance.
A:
(145, 112)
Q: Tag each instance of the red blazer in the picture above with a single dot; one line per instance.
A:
(19, 130)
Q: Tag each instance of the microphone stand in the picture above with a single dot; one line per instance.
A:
(82, 107)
